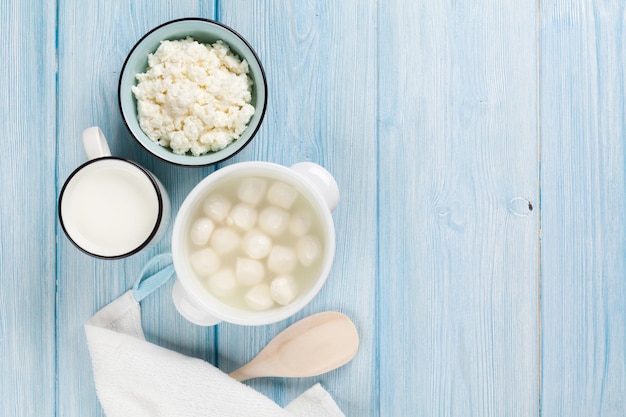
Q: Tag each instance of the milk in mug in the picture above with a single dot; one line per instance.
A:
(111, 207)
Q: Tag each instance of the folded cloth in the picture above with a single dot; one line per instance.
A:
(136, 378)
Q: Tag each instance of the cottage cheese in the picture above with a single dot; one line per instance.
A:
(194, 97)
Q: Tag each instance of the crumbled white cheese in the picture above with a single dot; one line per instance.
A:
(194, 97)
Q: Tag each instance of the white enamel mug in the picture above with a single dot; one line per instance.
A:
(194, 300)
(111, 207)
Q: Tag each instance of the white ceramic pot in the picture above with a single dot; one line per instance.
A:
(191, 296)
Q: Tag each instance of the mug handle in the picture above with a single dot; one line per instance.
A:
(95, 143)
(321, 180)
(190, 309)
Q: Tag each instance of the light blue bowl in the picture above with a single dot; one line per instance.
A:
(204, 31)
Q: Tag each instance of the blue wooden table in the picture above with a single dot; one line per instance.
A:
(479, 147)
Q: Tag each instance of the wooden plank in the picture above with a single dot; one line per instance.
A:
(458, 199)
(583, 204)
(94, 39)
(320, 61)
(27, 209)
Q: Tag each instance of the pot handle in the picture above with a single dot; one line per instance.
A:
(321, 180)
(190, 309)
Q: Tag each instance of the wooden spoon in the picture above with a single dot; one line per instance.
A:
(309, 347)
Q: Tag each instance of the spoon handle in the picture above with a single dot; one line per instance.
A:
(240, 374)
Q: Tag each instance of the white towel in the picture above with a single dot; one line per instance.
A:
(136, 378)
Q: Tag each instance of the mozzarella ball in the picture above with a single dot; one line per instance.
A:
(205, 261)
(282, 195)
(273, 221)
(252, 190)
(259, 298)
(300, 223)
(282, 260)
(283, 289)
(308, 249)
(216, 207)
(201, 231)
(249, 271)
(256, 244)
(242, 216)
(222, 283)
(225, 240)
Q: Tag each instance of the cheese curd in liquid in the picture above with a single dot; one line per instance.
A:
(255, 243)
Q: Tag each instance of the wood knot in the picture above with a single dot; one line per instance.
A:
(521, 206)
